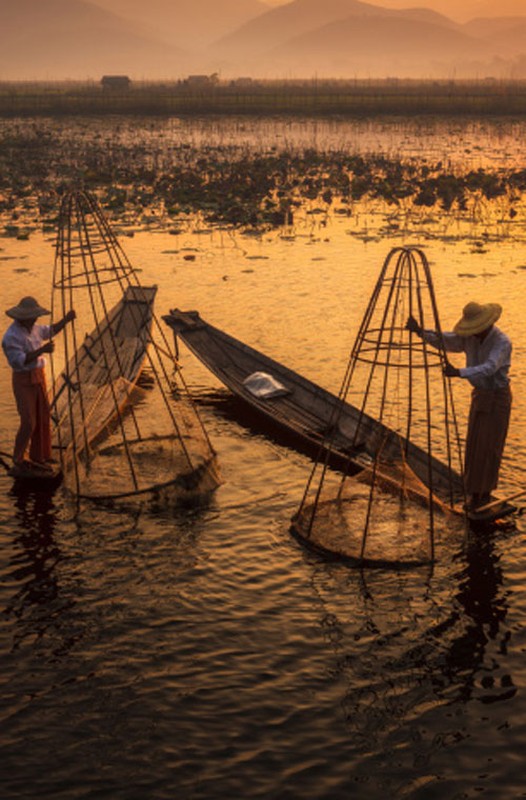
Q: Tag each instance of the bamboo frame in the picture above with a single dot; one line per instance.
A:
(398, 372)
(89, 261)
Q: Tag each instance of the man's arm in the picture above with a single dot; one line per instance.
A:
(498, 357)
(450, 341)
(48, 347)
(58, 326)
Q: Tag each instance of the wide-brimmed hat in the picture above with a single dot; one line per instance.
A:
(28, 308)
(476, 318)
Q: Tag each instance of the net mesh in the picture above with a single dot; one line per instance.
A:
(391, 505)
(124, 421)
(410, 486)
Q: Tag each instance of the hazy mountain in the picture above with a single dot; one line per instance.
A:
(464, 10)
(56, 39)
(49, 39)
(346, 38)
(505, 34)
(402, 45)
(188, 23)
(281, 24)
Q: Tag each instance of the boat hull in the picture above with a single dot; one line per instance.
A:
(305, 414)
(308, 413)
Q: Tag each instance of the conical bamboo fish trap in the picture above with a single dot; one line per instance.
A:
(124, 423)
(411, 487)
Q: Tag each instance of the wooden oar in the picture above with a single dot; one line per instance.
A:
(495, 503)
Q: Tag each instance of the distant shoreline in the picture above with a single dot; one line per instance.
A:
(389, 96)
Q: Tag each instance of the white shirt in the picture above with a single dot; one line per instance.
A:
(487, 362)
(18, 342)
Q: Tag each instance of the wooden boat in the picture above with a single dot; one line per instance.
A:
(35, 476)
(112, 446)
(310, 416)
(101, 377)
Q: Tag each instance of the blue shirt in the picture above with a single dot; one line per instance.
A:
(18, 342)
(487, 362)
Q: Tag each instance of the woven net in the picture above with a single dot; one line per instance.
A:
(124, 422)
(411, 484)
(379, 517)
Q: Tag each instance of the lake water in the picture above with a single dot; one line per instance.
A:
(203, 653)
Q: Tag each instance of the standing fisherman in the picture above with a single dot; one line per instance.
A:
(24, 347)
(488, 357)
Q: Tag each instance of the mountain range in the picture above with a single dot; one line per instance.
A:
(190, 24)
(54, 39)
(168, 39)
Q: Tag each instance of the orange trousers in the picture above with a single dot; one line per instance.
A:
(32, 403)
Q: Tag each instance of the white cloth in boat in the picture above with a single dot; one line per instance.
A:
(264, 386)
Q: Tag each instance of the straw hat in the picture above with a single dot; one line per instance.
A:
(28, 308)
(476, 318)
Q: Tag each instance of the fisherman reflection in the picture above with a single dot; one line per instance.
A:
(481, 596)
(34, 563)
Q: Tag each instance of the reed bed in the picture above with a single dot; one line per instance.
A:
(136, 176)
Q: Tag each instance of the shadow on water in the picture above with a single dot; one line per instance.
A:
(234, 409)
(483, 606)
(33, 566)
(412, 651)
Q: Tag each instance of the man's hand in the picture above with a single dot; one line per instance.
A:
(413, 326)
(450, 371)
(48, 347)
(58, 326)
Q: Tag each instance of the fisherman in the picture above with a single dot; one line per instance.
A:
(488, 357)
(24, 344)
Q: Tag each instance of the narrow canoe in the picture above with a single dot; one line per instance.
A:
(312, 418)
(101, 376)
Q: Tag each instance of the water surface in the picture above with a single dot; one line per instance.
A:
(204, 653)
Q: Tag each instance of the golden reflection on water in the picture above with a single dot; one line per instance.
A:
(152, 621)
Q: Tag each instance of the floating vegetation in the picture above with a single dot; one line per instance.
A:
(155, 184)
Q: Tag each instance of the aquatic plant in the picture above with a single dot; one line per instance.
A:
(137, 176)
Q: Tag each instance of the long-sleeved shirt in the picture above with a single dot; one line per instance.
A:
(487, 361)
(18, 342)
